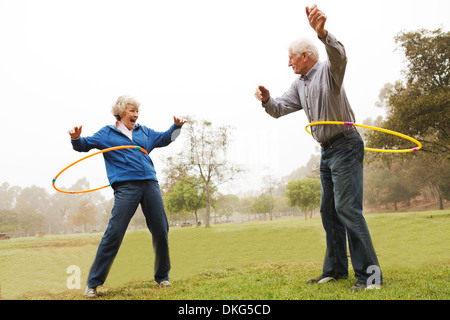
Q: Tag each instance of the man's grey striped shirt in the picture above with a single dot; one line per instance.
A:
(320, 93)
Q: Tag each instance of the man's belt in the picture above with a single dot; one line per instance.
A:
(326, 144)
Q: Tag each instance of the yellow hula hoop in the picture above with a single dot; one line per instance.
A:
(351, 124)
(91, 155)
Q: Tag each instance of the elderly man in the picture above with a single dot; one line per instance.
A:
(319, 91)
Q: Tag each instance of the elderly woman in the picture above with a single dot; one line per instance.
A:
(132, 176)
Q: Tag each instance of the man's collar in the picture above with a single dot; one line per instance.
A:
(310, 73)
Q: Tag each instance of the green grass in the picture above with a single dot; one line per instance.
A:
(257, 260)
(282, 282)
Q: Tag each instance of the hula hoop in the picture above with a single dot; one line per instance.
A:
(351, 124)
(91, 155)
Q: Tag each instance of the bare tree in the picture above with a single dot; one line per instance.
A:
(270, 183)
(205, 156)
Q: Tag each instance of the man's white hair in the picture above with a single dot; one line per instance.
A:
(304, 45)
(121, 104)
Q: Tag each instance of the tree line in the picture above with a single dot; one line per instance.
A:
(32, 211)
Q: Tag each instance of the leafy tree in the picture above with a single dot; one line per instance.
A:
(245, 205)
(227, 204)
(389, 185)
(262, 205)
(434, 174)
(31, 207)
(86, 207)
(84, 215)
(419, 106)
(186, 196)
(174, 200)
(304, 194)
(8, 195)
(61, 205)
(281, 206)
(9, 222)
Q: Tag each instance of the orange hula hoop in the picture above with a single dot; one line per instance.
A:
(84, 158)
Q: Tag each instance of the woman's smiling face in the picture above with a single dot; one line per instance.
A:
(130, 116)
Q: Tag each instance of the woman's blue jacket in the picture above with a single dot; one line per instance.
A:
(127, 164)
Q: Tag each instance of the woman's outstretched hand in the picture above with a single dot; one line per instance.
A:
(179, 121)
(75, 132)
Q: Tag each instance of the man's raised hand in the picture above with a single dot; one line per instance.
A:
(317, 20)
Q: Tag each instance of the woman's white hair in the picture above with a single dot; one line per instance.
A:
(304, 45)
(121, 104)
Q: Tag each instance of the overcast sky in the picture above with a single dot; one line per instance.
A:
(63, 63)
